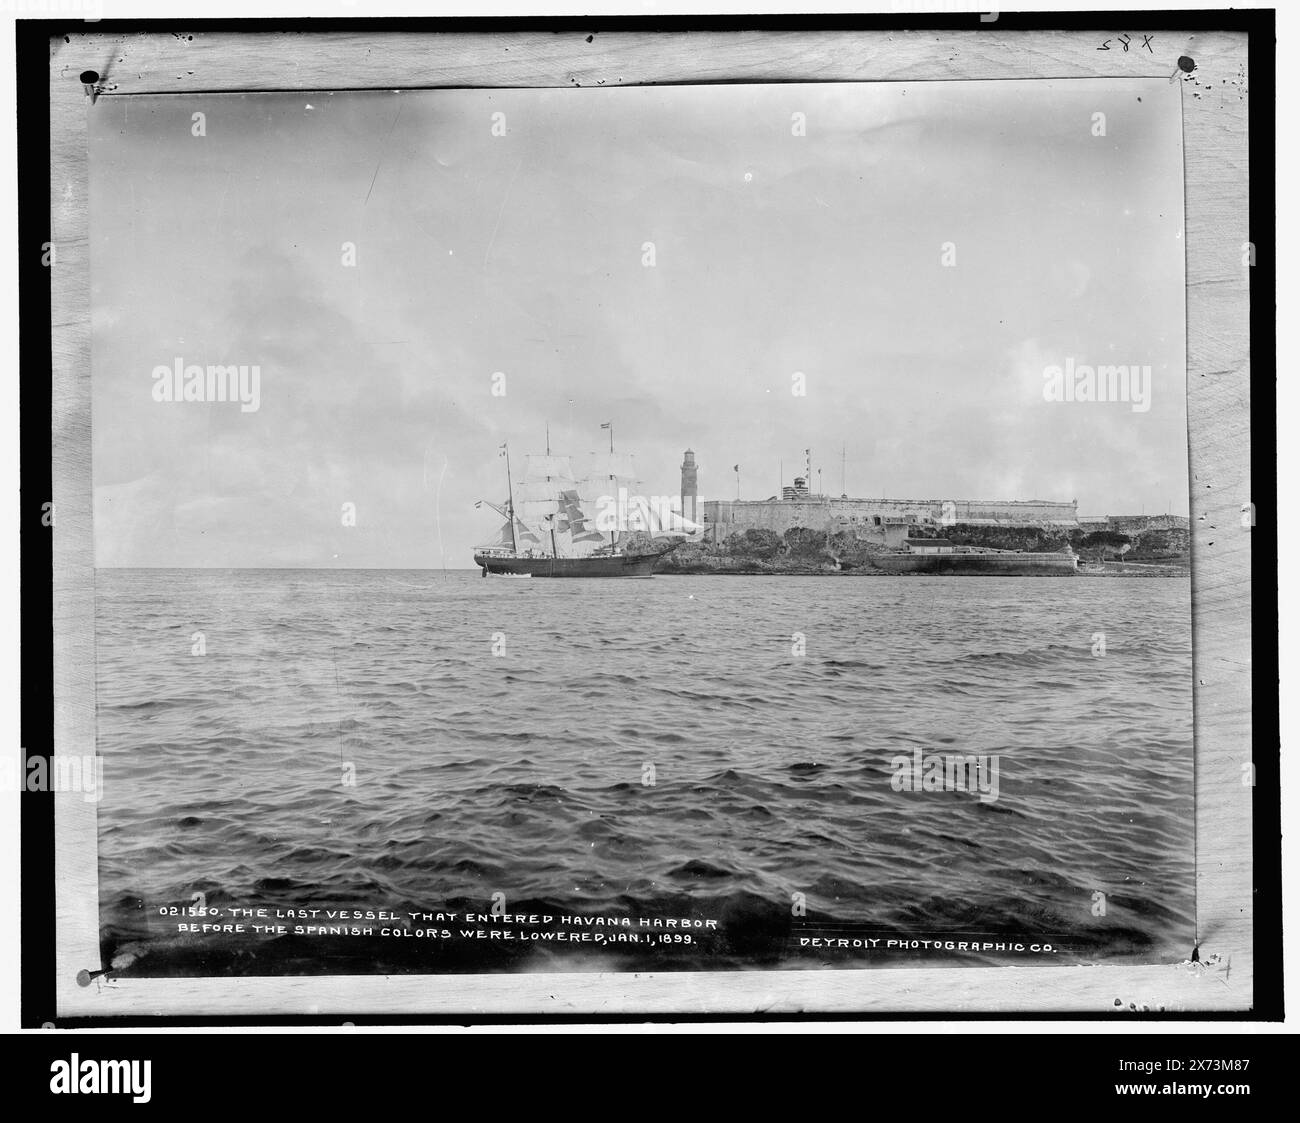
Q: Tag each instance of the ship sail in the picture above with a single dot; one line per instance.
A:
(502, 540)
(550, 505)
(606, 477)
(524, 538)
(610, 487)
(656, 515)
(539, 468)
(604, 467)
(536, 498)
(657, 518)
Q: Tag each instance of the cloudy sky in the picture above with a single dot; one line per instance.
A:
(524, 254)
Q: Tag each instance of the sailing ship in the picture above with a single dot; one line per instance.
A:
(562, 521)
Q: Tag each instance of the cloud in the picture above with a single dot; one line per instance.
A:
(523, 254)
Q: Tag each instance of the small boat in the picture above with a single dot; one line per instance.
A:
(939, 555)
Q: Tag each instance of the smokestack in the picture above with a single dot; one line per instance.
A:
(690, 491)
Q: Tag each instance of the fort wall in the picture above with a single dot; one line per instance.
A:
(728, 516)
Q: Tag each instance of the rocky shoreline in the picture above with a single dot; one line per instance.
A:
(801, 552)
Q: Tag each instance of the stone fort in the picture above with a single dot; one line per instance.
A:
(797, 506)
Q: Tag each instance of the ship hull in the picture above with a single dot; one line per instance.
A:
(641, 565)
(981, 565)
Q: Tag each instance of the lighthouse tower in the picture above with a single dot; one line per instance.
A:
(690, 491)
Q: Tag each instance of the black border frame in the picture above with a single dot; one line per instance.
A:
(37, 955)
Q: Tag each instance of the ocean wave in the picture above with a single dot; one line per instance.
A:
(675, 759)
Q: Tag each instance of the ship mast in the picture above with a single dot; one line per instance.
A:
(610, 426)
(510, 491)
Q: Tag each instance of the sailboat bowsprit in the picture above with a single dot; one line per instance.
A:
(562, 523)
